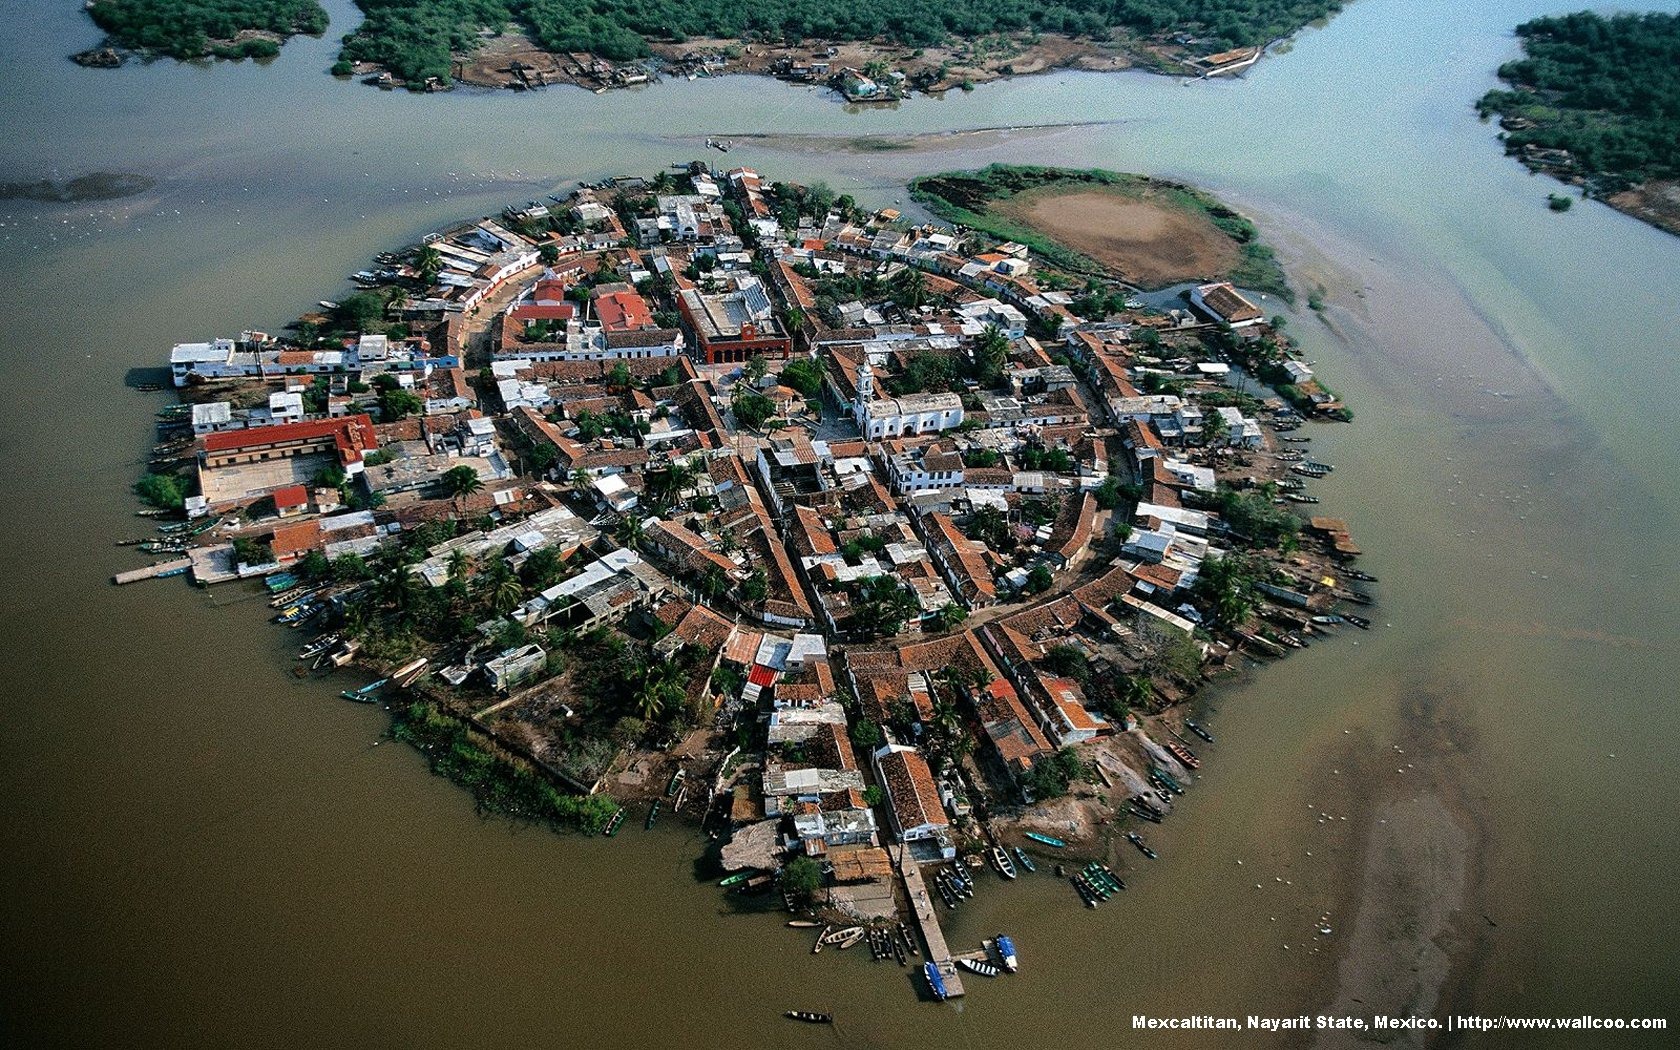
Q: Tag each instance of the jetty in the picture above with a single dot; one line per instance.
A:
(922, 906)
(173, 567)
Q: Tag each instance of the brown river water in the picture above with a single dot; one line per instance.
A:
(1478, 794)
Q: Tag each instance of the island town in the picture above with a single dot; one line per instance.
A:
(892, 554)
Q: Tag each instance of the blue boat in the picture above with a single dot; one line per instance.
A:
(936, 983)
(1006, 952)
(1048, 840)
(366, 694)
(279, 582)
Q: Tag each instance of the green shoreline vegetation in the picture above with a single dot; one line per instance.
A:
(419, 40)
(964, 198)
(188, 29)
(500, 782)
(1594, 100)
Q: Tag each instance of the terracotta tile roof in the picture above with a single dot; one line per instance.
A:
(910, 790)
(352, 436)
(296, 538)
(1227, 302)
(291, 496)
(1009, 727)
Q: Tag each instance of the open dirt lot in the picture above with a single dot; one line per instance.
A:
(1151, 240)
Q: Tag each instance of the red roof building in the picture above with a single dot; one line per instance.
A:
(623, 312)
(293, 499)
(347, 436)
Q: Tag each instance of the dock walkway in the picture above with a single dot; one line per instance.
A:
(173, 567)
(922, 905)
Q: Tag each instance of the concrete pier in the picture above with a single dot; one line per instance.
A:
(921, 905)
(150, 572)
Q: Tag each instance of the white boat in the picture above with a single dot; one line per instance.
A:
(849, 933)
(409, 673)
(1001, 861)
(984, 969)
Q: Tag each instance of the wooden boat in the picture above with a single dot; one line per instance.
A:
(740, 877)
(909, 941)
(653, 815)
(345, 652)
(320, 645)
(822, 939)
(936, 983)
(1295, 497)
(1006, 952)
(1001, 861)
(848, 933)
(1358, 621)
(1183, 754)
(1328, 621)
(1307, 471)
(1085, 891)
(803, 924)
(1048, 840)
(409, 673)
(984, 969)
(1165, 780)
(1355, 574)
(613, 824)
(808, 1016)
(1025, 861)
(851, 940)
(367, 694)
(1199, 729)
(1137, 840)
(1321, 467)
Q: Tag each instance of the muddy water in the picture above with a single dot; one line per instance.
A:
(201, 852)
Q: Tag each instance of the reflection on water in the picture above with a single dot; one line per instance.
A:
(202, 851)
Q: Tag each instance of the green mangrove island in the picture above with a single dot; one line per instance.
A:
(867, 49)
(1595, 101)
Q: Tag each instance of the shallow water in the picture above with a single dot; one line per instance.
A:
(201, 851)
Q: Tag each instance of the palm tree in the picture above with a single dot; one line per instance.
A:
(660, 686)
(910, 288)
(460, 566)
(460, 482)
(630, 531)
(990, 352)
(507, 594)
(429, 262)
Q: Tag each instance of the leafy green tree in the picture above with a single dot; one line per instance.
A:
(803, 374)
(164, 491)
(396, 403)
(1039, 580)
(802, 877)
(751, 408)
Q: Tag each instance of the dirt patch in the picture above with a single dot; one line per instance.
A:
(1657, 202)
(1149, 240)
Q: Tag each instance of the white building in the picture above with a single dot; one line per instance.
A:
(902, 416)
